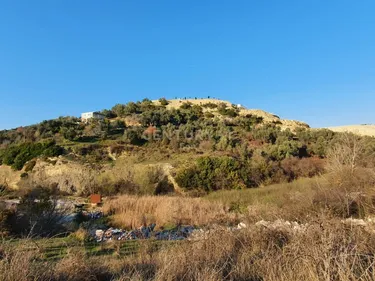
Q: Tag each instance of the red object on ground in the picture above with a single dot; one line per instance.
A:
(95, 198)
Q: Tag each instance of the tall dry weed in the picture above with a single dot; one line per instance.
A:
(133, 211)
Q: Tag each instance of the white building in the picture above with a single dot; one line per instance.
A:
(91, 115)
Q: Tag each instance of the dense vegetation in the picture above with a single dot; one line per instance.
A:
(237, 151)
(309, 229)
(17, 155)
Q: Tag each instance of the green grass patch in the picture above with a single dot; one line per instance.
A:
(276, 195)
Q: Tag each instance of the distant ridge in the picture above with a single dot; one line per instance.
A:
(363, 130)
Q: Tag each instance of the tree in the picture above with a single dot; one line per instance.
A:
(38, 213)
(347, 153)
(117, 125)
(109, 113)
(134, 136)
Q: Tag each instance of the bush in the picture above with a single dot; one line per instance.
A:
(123, 110)
(186, 105)
(163, 102)
(37, 214)
(230, 112)
(7, 217)
(108, 113)
(17, 156)
(30, 165)
(294, 168)
(212, 173)
(249, 121)
(210, 105)
(134, 136)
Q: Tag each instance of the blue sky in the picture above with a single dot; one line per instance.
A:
(307, 60)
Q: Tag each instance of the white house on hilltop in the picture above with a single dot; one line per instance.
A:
(91, 115)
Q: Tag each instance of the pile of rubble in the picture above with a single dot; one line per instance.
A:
(367, 224)
(144, 232)
(193, 233)
(283, 225)
(186, 232)
(93, 215)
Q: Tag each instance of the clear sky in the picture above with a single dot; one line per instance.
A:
(308, 60)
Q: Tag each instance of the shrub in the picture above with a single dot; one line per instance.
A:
(134, 136)
(123, 110)
(164, 187)
(212, 173)
(209, 115)
(210, 105)
(30, 165)
(186, 105)
(163, 102)
(294, 168)
(7, 217)
(17, 156)
(249, 121)
(37, 214)
(230, 112)
(108, 113)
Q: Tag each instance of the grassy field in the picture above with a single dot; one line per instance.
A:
(269, 195)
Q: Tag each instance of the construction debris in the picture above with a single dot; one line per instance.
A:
(293, 227)
(94, 215)
(144, 232)
(187, 232)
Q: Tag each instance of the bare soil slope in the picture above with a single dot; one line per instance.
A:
(364, 130)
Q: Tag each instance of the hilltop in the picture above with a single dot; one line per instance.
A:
(243, 111)
(364, 130)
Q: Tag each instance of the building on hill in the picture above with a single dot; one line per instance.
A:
(91, 115)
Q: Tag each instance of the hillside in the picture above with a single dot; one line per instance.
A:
(193, 146)
(364, 130)
(192, 190)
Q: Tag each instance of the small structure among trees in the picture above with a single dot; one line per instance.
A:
(91, 115)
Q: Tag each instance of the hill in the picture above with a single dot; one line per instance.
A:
(364, 130)
(190, 146)
(267, 192)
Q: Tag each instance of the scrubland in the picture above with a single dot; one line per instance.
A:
(326, 248)
(304, 198)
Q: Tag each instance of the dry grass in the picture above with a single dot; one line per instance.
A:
(18, 264)
(325, 251)
(340, 194)
(275, 194)
(133, 211)
(330, 252)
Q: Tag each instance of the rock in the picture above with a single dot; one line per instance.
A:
(282, 225)
(241, 225)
